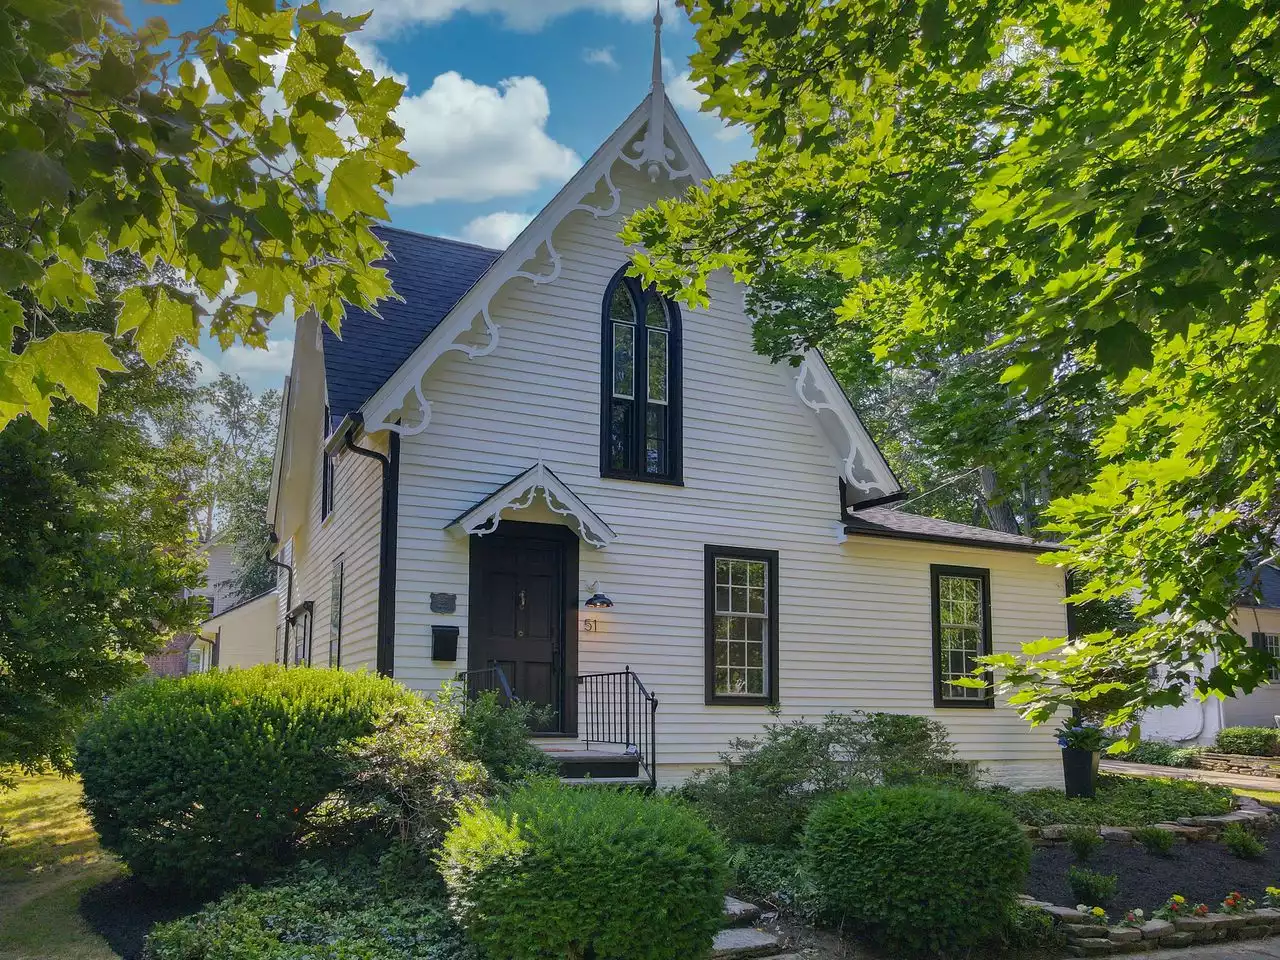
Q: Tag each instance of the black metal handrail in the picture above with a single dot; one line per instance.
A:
(618, 708)
(489, 679)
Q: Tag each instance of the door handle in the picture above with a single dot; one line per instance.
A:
(522, 598)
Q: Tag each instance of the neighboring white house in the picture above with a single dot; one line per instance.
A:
(1198, 721)
(534, 465)
(242, 634)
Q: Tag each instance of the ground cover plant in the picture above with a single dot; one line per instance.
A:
(1090, 886)
(965, 857)
(1120, 802)
(1161, 754)
(362, 911)
(1242, 842)
(211, 779)
(1083, 841)
(565, 872)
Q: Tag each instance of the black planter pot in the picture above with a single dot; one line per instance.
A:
(1079, 771)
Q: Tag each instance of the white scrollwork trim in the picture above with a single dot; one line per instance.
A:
(807, 382)
(615, 195)
(540, 279)
(524, 491)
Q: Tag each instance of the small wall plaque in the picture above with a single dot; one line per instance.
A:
(444, 603)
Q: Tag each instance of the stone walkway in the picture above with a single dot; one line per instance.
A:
(1238, 781)
(1255, 950)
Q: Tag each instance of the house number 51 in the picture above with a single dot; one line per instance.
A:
(590, 625)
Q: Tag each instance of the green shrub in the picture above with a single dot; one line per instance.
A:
(1120, 802)
(408, 777)
(1161, 754)
(1083, 841)
(561, 872)
(1242, 842)
(766, 786)
(208, 780)
(497, 736)
(1091, 887)
(318, 914)
(1250, 741)
(1156, 840)
(922, 871)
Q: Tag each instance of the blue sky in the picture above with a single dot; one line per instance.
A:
(505, 100)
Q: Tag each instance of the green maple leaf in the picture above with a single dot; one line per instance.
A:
(351, 189)
(158, 318)
(31, 179)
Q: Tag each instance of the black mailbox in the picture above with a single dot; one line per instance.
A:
(444, 643)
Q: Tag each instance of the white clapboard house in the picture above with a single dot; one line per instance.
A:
(535, 473)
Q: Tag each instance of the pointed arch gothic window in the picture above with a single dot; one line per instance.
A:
(640, 431)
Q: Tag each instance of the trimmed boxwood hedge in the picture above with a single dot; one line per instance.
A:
(924, 872)
(1249, 741)
(209, 780)
(555, 872)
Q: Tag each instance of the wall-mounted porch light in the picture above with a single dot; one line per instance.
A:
(598, 600)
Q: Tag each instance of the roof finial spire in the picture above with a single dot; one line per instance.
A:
(657, 46)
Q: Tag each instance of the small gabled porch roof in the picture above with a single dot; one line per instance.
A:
(524, 490)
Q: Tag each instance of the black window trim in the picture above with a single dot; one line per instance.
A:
(710, 553)
(675, 385)
(328, 469)
(338, 572)
(936, 572)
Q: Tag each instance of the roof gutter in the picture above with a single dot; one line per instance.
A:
(386, 628)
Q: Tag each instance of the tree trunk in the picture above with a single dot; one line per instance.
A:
(999, 513)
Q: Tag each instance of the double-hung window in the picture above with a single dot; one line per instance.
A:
(640, 390)
(741, 625)
(1270, 642)
(961, 634)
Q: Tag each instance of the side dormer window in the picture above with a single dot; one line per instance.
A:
(640, 395)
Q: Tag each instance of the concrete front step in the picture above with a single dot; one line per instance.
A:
(589, 781)
(738, 913)
(575, 761)
(740, 943)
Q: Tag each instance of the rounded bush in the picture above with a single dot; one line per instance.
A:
(558, 872)
(1249, 741)
(209, 780)
(925, 872)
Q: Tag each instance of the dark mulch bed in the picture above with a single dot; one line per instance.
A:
(1202, 872)
(123, 911)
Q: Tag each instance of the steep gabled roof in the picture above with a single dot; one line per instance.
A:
(1263, 586)
(431, 274)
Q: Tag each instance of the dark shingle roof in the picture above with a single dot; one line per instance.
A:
(432, 274)
(886, 522)
(1263, 586)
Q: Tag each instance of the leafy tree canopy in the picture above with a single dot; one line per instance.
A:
(1063, 189)
(249, 156)
(97, 549)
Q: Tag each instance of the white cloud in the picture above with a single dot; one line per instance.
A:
(496, 230)
(600, 56)
(392, 16)
(475, 142)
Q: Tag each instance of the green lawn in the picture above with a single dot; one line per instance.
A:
(48, 858)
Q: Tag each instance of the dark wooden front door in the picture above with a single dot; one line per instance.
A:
(521, 614)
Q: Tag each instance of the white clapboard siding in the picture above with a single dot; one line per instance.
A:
(854, 616)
